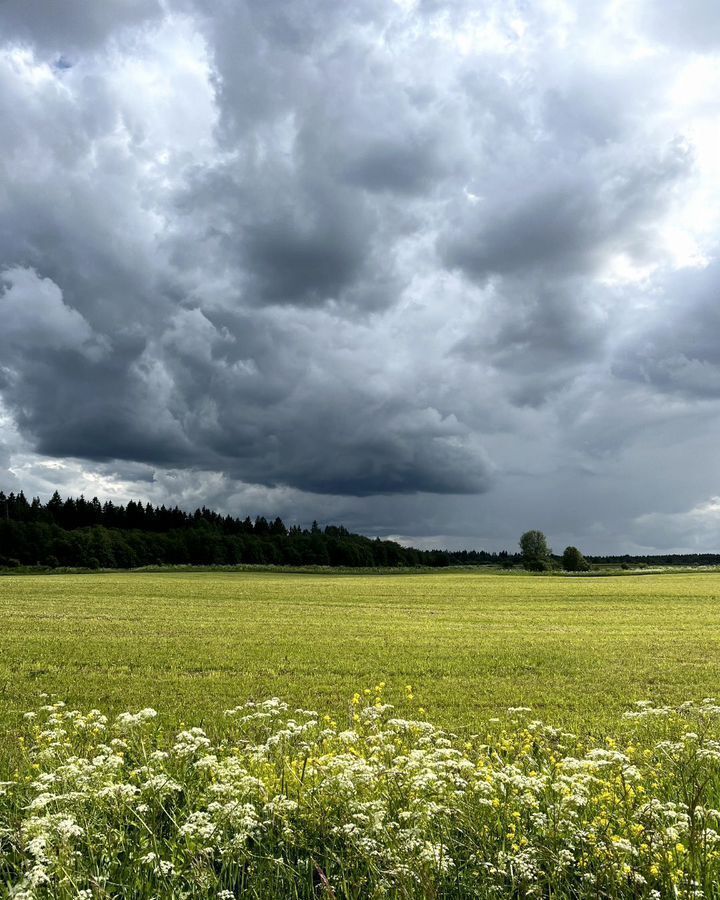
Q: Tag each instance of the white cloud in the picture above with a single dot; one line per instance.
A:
(34, 314)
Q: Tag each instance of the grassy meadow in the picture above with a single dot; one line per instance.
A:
(223, 792)
(576, 650)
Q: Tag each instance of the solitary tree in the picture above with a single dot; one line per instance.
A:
(574, 561)
(535, 550)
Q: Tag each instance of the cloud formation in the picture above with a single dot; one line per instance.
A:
(444, 271)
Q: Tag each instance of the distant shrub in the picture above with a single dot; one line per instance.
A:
(52, 562)
(536, 565)
(93, 563)
(574, 561)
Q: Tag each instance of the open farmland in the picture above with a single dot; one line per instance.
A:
(578, 651)
(370, 800)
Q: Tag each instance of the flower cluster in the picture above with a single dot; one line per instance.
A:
(287, 803)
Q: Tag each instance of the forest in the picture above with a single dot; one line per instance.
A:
(75, 532)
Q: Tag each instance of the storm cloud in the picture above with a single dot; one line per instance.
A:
(441, 271)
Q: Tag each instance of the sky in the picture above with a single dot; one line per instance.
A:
(439, 271)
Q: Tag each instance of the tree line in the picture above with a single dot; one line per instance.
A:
(76, 532)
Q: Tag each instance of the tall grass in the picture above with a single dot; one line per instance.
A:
(283, 803)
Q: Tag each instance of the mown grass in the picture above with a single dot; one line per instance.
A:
(578, 651)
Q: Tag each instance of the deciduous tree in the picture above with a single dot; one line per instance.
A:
(535, 550)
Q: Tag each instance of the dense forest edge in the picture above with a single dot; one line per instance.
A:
(80, 533)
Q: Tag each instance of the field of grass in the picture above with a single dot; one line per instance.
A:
(370, 801)
(578, 651)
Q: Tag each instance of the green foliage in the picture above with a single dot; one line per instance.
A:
(88, 534)
(535, 551)
(574, 561)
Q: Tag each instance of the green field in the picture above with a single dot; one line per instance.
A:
(577, 651)
(274, 802)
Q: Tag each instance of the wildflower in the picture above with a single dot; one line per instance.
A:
(127, 721)
(412, 806)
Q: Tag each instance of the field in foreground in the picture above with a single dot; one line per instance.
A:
(362, 800)
(578, 651)
(285, 803)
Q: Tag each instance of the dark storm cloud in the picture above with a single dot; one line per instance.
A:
(97, 407)
(219, 396)
(73, 25)
(402, 165)
(334, 124)
(538, 334)
(271, 57)
(552, 219)
(343, 256)
(291, 413)
(679, 353)
(290, 239)
(302, 262)
(537, 241)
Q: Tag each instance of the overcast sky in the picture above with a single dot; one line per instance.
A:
(437, 270)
